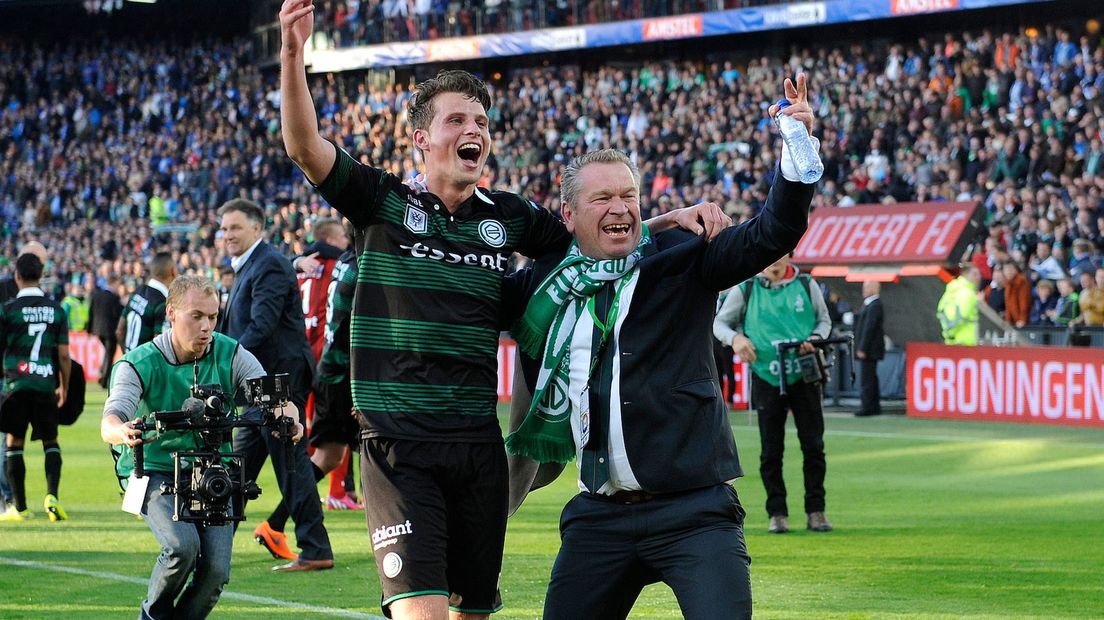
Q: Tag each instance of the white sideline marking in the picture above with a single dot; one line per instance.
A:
(890, 435)
(249, 598)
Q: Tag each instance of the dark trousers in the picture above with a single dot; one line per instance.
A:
(692, 541)
(294, 475)
(110, 343)
(804, 400)
(870, 391)
(726, 370)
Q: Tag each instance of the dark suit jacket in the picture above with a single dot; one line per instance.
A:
(8, 289)
(869, 331)
(104, 310)
(677, 434)
(265, 315)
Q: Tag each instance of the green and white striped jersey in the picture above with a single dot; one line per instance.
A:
(144, 315)
(425, 322)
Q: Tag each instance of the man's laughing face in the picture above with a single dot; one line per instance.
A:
(457, 143)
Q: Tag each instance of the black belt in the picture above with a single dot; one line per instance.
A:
(627, 497)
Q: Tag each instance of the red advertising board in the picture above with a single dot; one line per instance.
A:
(901, 233)
(1006, 384)
(911, 7)
(740, 397)
(88, 350)
(672, 27)
(506, 349)
(453, 48)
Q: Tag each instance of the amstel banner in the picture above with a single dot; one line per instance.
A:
(1045, 385)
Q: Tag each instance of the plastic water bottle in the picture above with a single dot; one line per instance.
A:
(803, 151)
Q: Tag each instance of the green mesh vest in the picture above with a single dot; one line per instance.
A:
(773, 316)
(164, 388)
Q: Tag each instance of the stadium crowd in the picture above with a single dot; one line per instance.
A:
(112, 152)
(364, 22)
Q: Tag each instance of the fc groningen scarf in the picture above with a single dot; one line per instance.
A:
(548, 325)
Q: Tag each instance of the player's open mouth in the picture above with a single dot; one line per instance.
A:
(617, 230)
(470, 152)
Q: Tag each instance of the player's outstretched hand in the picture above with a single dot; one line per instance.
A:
(296, 23)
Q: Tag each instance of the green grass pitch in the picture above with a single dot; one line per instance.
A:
(933, 520)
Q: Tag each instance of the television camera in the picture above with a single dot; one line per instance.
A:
(209, 486)
(814, 366)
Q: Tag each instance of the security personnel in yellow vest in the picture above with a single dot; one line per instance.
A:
(781, 305)
(958, 308)
(157, 376)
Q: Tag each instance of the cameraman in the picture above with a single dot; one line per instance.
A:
(781, 305)
(158, 376)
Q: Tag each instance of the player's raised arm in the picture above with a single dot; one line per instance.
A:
(306, 147)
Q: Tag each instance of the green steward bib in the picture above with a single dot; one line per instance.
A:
(164, 388)
(777, 315)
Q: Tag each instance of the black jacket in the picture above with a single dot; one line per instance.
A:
(869, 331)
(265, 314)
(104, 310)
(675, 419)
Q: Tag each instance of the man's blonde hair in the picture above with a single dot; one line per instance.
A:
(180, 287)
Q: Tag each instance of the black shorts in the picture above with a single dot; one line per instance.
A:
(29, 407)
(437, 519)
(333, 416)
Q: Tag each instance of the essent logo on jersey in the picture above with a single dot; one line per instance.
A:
(494, 262)
(33, 368)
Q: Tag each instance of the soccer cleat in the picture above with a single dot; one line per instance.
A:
(342, 503)
(54, 509)
(275, 542)
(11, 515)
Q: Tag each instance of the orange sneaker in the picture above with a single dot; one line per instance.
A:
(275, 542)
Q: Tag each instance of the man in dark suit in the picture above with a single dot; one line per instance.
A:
(628, 385)
(104, 310)
(265, 315)
(869, 348)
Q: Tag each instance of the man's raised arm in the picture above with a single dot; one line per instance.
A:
(306, 147)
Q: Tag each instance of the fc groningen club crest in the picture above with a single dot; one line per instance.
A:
(493, 233)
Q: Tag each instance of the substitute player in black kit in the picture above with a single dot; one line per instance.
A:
(34, 344)
(144, 315)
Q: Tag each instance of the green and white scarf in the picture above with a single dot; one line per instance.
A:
(548, 325)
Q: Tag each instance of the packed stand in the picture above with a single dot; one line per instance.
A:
(115, 146)
(364, 22)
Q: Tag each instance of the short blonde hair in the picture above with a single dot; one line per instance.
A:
(180, 287)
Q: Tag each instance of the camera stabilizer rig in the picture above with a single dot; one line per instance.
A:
(814, 366)
(209, 486)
